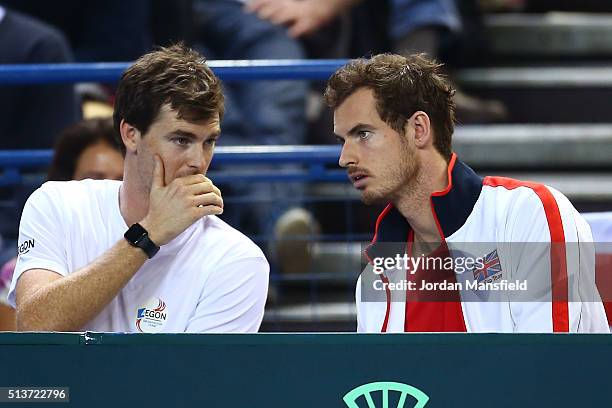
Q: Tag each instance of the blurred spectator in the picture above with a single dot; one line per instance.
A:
(97, 30)
(33, 114)
(412, 26)
(406, 17)
(87, 149)
(259, 113)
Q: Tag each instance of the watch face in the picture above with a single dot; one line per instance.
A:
(135, 233)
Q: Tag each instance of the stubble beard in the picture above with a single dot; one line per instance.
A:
(401, 179)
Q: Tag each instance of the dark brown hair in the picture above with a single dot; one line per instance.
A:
(74, 140)
(402, 86)
(176, 75)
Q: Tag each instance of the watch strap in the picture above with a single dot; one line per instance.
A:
(137, 236)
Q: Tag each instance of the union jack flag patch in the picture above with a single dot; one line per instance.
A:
(491, 267)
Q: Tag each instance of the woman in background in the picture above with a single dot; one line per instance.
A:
(87, 149)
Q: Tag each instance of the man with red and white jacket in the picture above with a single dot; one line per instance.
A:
(532, 258)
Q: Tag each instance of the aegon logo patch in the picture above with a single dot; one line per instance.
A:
(25, 247)
(151, 317)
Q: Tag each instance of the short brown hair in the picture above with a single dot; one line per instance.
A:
(176, 75)
(74, 140)
(402, 86)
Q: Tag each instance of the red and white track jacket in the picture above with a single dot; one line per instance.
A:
(529, 231)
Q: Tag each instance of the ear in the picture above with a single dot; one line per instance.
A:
(423, 132)
(130, 136)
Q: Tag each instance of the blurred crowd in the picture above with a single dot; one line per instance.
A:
(72, 31)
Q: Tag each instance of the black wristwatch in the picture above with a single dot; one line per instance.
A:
(137, 236)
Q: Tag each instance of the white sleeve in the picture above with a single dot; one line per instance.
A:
(533, 256)
(233, 299)
(41, 238)
(585, 296)
(361, 328)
